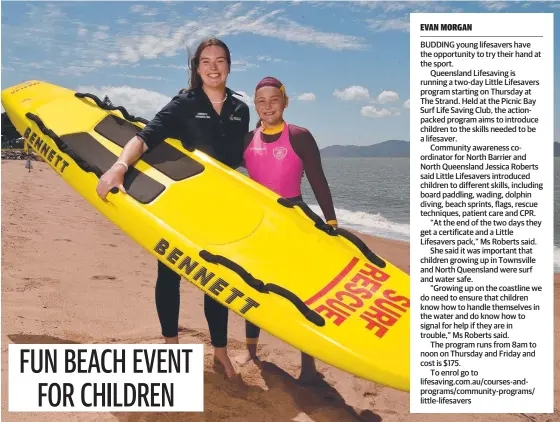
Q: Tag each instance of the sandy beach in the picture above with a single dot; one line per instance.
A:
(103, 292)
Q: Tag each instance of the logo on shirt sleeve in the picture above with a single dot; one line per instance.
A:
(280, 153)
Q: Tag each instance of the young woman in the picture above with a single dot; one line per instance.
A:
(219, 134)
(276, 155)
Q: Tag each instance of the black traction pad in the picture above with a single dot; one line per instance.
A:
(165, 158)
(138, 185)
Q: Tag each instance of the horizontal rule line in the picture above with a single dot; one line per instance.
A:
(481, 36)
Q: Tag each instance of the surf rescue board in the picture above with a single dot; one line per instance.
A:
(273, 262)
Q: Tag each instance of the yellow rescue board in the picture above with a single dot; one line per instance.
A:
(274, 263)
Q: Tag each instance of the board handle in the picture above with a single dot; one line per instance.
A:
(62, 146)
(261, 287)
(331, 231)
(111, 107)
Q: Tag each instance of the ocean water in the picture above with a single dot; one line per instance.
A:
(371, 195)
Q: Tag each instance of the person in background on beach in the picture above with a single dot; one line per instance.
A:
(276, 155)
(206, 116)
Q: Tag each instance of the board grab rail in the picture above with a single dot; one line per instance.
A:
(62, 146)
(331, 231)
(109, 107)
(311, 315)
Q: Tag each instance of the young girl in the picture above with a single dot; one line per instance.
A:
(276, 155)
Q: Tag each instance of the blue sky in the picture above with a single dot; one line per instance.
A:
(345, 64)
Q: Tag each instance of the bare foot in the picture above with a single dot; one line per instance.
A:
(221, 356)
(171, 340)
(247, 356)
(243, 358)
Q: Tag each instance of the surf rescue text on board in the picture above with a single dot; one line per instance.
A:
(352, 292)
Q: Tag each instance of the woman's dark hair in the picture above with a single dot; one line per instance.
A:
(195, 81)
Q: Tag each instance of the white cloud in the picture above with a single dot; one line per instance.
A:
(78, 46)
(241, 65)
(387, 97)
(36, 65)
(246, 98)
(229, 21)
(371, 111)
(155, 78)
(100, 36)
(233, 9)
(143, 10)
(407, 103)
(139, 102)
(292, 31)
(270, 59)
(394, 16)
(307, 96)
(351, 93)
(54, 12)
(412, 6)
(494, 5)
(388, 7)
(169, 66)
(40, 25)
(393, 24)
